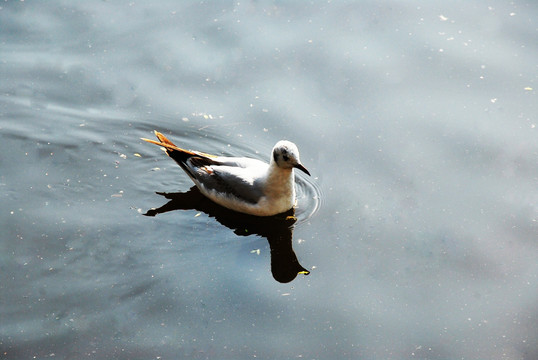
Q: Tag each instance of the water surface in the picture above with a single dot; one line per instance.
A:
(418, 226)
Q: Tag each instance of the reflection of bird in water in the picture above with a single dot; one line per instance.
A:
(276, 229)
(242, 184)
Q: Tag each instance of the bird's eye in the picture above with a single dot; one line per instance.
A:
(285, 157)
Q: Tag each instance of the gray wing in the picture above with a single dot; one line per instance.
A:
(244, 184)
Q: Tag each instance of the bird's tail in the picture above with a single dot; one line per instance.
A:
(180, 155)
(167, 144)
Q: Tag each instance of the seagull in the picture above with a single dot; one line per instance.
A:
(246, 185)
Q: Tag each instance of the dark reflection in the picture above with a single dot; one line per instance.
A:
(278, 229)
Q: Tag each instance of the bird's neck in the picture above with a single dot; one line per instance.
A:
(280, 182)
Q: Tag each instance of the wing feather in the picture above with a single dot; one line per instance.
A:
(220, 176)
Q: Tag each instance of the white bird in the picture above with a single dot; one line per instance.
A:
(242, 184)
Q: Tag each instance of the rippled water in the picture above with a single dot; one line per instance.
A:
(418, 226)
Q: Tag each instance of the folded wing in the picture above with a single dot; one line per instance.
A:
(217, 176)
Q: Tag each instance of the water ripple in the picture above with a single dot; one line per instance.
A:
(308, 198)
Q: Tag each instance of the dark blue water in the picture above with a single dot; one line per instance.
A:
(417, 122)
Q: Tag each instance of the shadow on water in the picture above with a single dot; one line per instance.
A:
(277, 229)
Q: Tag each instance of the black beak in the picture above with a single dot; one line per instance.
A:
(302, 168)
